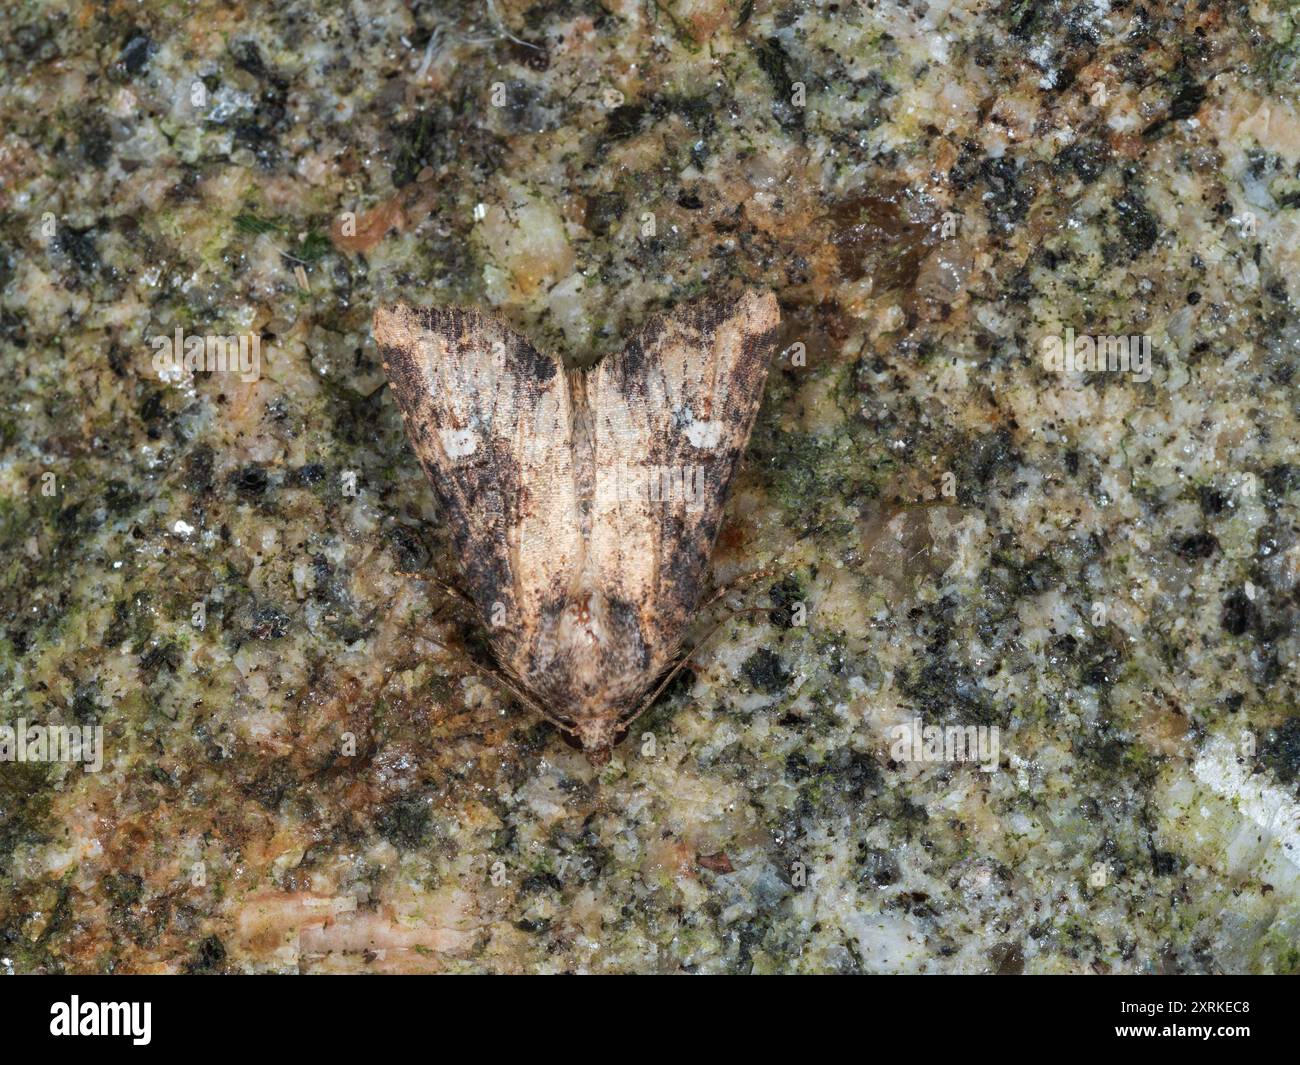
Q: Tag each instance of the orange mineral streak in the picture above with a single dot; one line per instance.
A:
(398, 213)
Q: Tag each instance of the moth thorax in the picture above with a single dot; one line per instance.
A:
(585, 621)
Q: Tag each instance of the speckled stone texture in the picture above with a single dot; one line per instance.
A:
(1099, 570)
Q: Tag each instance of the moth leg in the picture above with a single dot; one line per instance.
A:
(450, 589)
(648, 702)
(739, 582)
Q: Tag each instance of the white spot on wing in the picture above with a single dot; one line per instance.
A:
(703, 434)
(458, 443)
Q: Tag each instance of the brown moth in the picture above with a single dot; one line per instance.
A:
(584, 505)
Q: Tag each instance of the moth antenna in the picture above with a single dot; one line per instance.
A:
(681, 662)
(514, 690)
(501, 678)
(495, 676)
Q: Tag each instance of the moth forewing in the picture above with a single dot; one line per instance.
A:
(489, 418)
(679, 400)
(583, 506)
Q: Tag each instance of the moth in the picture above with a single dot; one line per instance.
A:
(583, 504)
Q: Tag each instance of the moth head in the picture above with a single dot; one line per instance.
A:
(597, 736)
